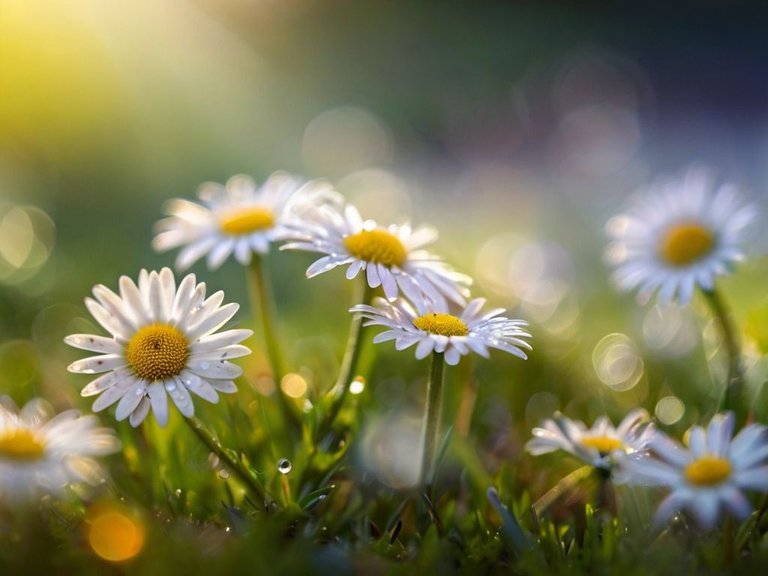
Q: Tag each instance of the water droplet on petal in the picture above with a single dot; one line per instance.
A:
(284, 466)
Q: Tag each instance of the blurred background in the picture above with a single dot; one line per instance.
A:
(517, 128)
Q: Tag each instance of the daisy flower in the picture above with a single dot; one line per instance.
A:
(678, 234)
(432, 327)
(39, 455)
(164, 342)
(237, 218)
(391, 257)
(602, 445)
(708, 475)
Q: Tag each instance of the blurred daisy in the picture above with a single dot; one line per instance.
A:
(39, 455)
(602, 446)
(432, 327)
(238, 218)
(681, 233)
(391, 257)
(709, 475)
(164, 342)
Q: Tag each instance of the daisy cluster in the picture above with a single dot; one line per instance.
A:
(425, 300)
(707, 477)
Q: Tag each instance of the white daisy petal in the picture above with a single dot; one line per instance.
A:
(94, 343)
(199, 386)
(97, 364)
(224, 386)
(218, 370)
(159, 401)
(109, 322)
(112, 394)
(213, 321)
(130, 400)
(100, 384)
(180, 396)
(140, 413)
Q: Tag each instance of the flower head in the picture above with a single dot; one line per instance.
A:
(43, 455)
(238, 218)
(432, 327)
(679, 234)
(164, 342)
(391, 257)
(602, 446)
(708, 475)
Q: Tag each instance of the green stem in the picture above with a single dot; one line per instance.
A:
(262, 302)
(351, 356)
(432, 419)
(726, 324)
(229, 458)
(564, 486)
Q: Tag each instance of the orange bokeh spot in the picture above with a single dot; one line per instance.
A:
(114, 534)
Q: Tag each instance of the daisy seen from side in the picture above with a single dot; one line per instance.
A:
(392, 257)
(164, 342)
(603, 445)
(711, 474)
(678, 234)
(433, 328)
(42, 453)
(238, 218)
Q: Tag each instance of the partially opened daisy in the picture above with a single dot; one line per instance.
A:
(43, 455)
(392, 257)
(164, 342)
(678, 234)
(602, 446)
(237, 218)
(710, 475)
(433, 328)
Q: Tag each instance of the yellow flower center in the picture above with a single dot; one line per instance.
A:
(685, 243)
(603, 444)
(20, 444)
(443, 324)
(157, 352)
(245, 221)
(378, 246)
(708, 471)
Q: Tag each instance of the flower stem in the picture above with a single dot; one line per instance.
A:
(230, 459)
(432, 419)
(351, 356)
(725, 322)
(262, 302)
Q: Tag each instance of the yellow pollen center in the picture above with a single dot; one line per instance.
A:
(20, 444)
(378, 246)
(708, 471)
(442, 324)
(157, 352)
(245, 221)
(685, 243)
(603, 444)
